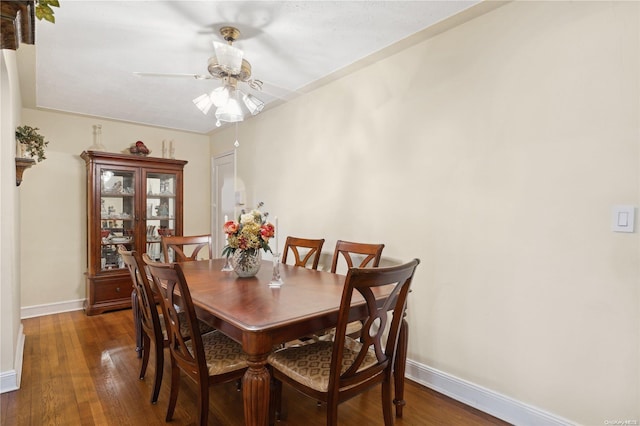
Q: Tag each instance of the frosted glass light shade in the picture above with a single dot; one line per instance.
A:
(219, 96)
(229, 57)
(254, 104)
(204, 103)
(232, 111)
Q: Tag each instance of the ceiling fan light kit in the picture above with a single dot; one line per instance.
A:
(230, 66)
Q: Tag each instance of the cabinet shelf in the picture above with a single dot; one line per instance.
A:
(161, 196)
(116, 194)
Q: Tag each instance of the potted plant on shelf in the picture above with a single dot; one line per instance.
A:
(31, 142)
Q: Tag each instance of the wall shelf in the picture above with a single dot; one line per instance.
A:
(21, 165)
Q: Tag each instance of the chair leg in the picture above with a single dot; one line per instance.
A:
(203, 403)
(400, 367)
(175, 387)
(275, 401)
(159, 371)
(332, 411)
(387, 405)
(146, 342)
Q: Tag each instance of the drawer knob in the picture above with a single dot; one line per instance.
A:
(118, 289)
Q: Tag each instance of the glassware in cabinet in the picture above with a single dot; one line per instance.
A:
(117, 215)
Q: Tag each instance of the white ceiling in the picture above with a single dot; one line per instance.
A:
(86, 60)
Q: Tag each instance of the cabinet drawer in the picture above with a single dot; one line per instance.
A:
(114, 290)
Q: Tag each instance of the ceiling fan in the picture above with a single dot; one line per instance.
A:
(228, 66)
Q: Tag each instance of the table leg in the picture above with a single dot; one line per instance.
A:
(400, 367)
(255, 391)
(135, 309)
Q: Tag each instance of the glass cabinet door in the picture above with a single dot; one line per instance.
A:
(117, 215)
(160, 215)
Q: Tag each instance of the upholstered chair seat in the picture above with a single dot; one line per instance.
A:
(222, 354)
(311, 364)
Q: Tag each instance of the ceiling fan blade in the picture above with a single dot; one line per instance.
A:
(181, 75)
(277, 92)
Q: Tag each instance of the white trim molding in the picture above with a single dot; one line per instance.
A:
(483, 399)
(51, 308)
(10, 380)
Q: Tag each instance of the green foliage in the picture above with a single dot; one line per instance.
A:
(44, 11)
(32, 140)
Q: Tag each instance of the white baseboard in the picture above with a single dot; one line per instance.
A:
(51, 308)
(486, 400)
(10, 380)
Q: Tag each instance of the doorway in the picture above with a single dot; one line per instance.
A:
(223, 198)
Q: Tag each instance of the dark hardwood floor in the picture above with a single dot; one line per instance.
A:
(81, 370)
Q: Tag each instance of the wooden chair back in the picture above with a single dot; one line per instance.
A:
(176, 299)
(354, 379)
(313, 249)
(149, 317)
(146, 315)
(177, 243)
(345, 249)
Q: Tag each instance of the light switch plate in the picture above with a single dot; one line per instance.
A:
(622, 218)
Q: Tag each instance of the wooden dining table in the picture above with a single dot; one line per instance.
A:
(261, 317)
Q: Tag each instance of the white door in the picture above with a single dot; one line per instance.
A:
(223, 198)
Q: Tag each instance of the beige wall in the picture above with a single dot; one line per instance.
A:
(53, 230)
(494, 152)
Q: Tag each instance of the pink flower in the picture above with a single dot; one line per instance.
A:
(267, 231)
(243, 244)
(231, 227)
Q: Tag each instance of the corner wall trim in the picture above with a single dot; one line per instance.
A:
(10, 380)
(51, 308)
(483, 399)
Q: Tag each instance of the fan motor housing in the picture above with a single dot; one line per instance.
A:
(218, 71)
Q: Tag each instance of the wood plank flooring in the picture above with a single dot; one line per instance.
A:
(81, 370)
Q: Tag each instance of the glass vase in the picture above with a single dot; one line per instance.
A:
(246, 263)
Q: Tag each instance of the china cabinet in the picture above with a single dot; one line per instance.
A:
(131, 200)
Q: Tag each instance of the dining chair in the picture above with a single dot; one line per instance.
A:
(311, 249)
(177, 243)
(147, 317)
(350, 251)
(147, 260)
(206, 359)
(335, 371)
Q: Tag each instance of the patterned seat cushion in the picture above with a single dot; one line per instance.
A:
(223, 354)
(184, 329)
(310, 364)
(328, 335)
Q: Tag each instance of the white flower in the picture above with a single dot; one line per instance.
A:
(246, 218)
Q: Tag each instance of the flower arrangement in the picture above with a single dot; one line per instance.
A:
(250, 232)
